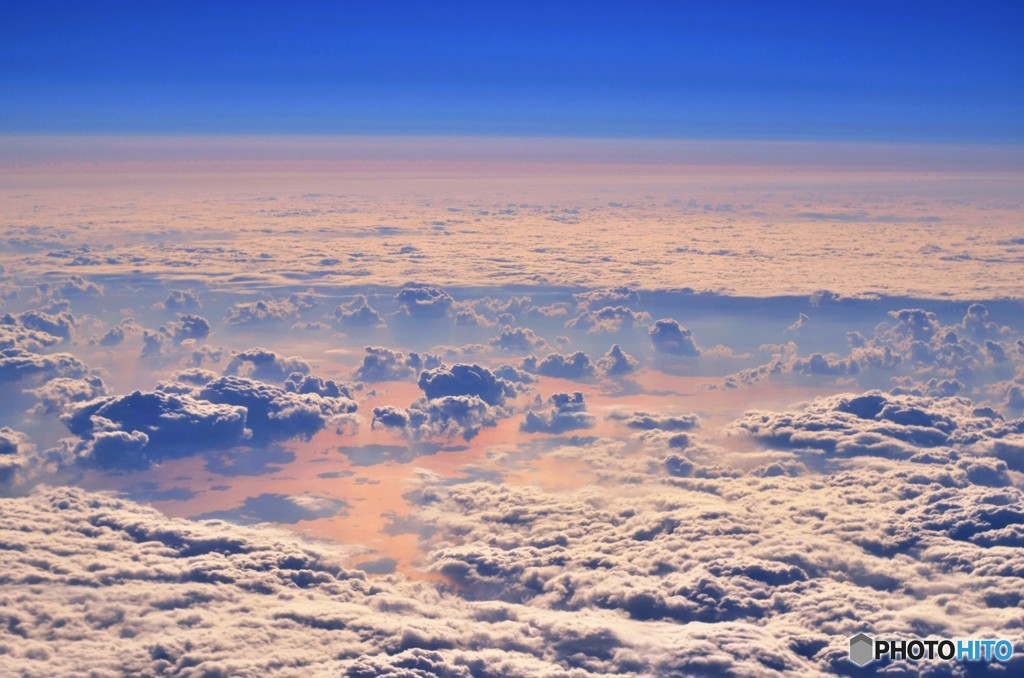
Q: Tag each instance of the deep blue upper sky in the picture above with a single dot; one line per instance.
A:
(894, 70)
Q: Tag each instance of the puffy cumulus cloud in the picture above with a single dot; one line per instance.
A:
(195, 376)
(269, 310)
(384, 364)
(914, 324)
(264, 310)
(514, 375)
(1014, 396)
(916, 340)
(154, 343)
(418, 300)
(142, 428)
(16, 364)
(55, 395)
(73, 287)
(977, 325)
(688, 456)
(458, 400)
(12, 336)
(616, 362)
(15, 448)
(124, 562)
(448, 416)
(11, 441)
(115, 336)
(825, 364)
(575, 366)
(619, 296)
(470, 380)
(467, 316)
(34, 331)
(512, 306)
(517, 340)
(896, 426)
(188, 328)
(997, 352)
(668, 336)
(608, 319)
(41, 328)
(274, 413)
(555, 310)
(780, 363)
(200, 414)
(568, 412)
(93, 572)
(688, 567)
(646, 421)
(298, 382)
(262, 363)
(357, 313)
(185, 381)
(792, 560)
(934, 387)
(488, 311)
(181, 300)
(912, 350)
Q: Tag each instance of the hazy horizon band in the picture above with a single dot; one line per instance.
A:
(23, 151)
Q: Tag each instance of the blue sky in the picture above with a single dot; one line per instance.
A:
(889, 71)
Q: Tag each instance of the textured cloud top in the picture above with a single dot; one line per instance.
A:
(522, 419)
(867, 225)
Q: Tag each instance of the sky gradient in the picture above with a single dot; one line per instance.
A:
(518, 339)
(936, 72)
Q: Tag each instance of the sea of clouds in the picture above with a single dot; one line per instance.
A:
(598, 479)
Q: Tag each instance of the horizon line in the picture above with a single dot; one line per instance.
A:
(22, 151)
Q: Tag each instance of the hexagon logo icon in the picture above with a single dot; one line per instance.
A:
(862, 649)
